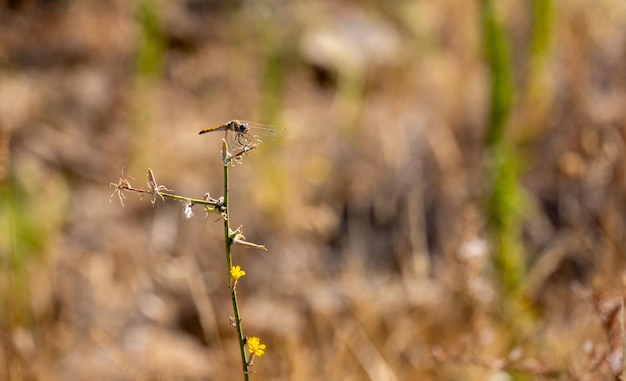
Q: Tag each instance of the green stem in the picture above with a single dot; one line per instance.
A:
(503, 203)
(228, 241)
(497, 54)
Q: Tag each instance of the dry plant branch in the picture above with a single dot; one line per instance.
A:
(244, 144)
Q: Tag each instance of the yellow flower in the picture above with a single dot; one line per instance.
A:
(236, 272)
(255, 347)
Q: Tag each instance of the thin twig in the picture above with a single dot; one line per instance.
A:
(228, 241)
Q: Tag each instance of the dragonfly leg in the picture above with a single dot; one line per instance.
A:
(243, 140)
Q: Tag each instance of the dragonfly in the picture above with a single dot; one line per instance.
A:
(241, 134)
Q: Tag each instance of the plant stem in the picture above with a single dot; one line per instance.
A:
(212, 204)
(228, 240)
(504, 198)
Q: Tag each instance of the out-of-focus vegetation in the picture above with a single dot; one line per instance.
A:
(449, 203)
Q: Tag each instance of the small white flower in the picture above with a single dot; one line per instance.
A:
(187, 212)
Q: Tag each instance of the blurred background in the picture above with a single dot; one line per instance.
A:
(449, 203)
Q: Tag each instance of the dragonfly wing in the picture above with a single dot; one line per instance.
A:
(272, 132)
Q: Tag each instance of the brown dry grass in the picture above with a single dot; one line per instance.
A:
(372, 208)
